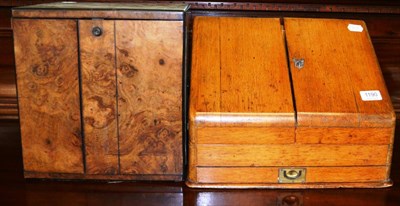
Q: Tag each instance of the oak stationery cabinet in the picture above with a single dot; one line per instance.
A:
(100, 90)
(291, 103)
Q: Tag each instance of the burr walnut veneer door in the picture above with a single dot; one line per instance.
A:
(46, 58)
(99, 102)
(149, 73)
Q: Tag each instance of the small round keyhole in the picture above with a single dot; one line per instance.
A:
(96, 31)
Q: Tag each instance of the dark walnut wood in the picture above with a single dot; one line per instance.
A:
(99, 104)
(48, 93)
(149, 63)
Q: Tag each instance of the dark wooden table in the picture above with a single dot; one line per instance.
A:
(15, 190)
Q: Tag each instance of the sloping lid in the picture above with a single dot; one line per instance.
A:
(239, 73)
(340, 83)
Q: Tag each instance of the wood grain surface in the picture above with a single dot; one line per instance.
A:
(248, 69)
(245, 135)
(326, 93)
(291, 155)
(104, 177)
(344, 135)
(149, 65)
(98, 76)
(48, 94)
(339, 63)
(270, 174)
(102, 14)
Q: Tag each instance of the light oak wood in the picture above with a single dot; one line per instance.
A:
(344, 135)
(339, 63)
(48, 94)
(270, 174)
(333, 134)
(205, 55)
(254, 75)
(239, 72)
(245, 135)
(149, 72)
(291, 155)
(98, 76)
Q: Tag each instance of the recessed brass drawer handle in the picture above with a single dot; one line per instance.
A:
(292, 175)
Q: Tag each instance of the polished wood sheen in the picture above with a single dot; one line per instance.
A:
(127, 89)
(99, 103)
(48, 93)
(109, 10)
(240, 61)
(339, 139)
(339, 64)
(291, 155)
(334, 135)
(245, 135)
(149, 55)
(269, 174)
(230, 58)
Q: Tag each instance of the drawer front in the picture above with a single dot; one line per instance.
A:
(245, 135)
(344, 135)
(293, 155)
(237, 175)
(48, 94)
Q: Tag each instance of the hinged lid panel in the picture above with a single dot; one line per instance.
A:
(239, 73)
(339, 63)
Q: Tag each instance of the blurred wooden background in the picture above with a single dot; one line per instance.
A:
(381, 16)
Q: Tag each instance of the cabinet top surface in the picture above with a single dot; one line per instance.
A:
(75, 10)
(71, 5)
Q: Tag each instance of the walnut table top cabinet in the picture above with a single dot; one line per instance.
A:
(100, 90)
(287, 103)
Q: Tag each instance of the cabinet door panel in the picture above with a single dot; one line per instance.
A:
(48, 94)
(149, 73)
(99, 96)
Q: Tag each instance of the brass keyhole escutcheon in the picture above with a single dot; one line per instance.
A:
(299, 63)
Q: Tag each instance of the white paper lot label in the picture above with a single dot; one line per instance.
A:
(355, 28)
(371, 95)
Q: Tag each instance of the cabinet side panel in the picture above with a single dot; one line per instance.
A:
(48, 93)
(149, 72)
(99, 96)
